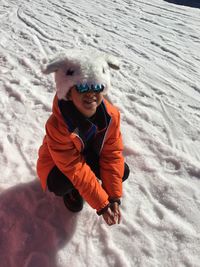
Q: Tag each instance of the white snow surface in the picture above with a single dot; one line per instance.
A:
(158, 93)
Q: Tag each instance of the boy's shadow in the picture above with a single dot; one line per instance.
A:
(190, 3)
(33, 226)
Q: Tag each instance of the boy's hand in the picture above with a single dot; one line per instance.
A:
(113, 214)
(117, 213)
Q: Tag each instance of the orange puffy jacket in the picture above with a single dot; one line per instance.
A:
(64, 149)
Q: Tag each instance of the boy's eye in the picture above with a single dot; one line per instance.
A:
(69, 72)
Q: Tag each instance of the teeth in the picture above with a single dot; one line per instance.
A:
(89, 101)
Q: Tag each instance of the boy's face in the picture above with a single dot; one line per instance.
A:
(86, 103)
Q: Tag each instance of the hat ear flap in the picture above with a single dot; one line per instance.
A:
(113, 62)
(54, 64)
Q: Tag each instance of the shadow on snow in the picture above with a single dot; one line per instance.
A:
(33, 226)
(189, 3)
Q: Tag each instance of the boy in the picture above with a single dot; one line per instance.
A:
(83, 141)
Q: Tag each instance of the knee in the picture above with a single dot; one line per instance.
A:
(58, 183)
(126, 172)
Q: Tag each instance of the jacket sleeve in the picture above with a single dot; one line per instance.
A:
(112, 160)
(71, 162)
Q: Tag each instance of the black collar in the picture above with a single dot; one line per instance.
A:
(87, 127)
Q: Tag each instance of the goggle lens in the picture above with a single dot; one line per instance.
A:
(84, 88)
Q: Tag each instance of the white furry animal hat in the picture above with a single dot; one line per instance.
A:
(81, 68)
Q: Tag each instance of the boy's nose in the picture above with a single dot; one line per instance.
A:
(90, 93)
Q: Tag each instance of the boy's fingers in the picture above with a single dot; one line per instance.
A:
(113, 215)
(109, 217)
(117, 212)
(109, 221)
(119, 217)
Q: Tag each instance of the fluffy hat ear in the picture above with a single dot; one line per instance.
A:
(54, 64)
(113, 62)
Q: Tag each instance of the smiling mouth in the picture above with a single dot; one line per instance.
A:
(89, 103)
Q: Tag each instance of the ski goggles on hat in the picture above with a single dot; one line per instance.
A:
(84, 88)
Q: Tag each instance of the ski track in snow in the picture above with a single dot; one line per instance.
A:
(157, 91)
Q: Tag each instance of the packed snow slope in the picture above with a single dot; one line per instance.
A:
(158, 93)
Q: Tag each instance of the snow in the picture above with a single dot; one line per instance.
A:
(157, 91)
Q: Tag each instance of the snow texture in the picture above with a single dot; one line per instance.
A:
(158, 93)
